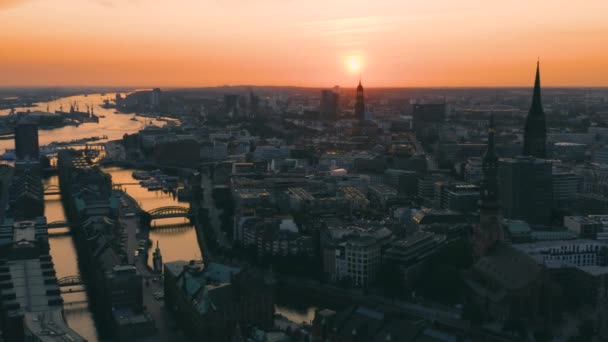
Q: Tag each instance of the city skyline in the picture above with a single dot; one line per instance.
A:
(282, 43)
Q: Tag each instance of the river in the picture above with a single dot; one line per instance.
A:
(112, 125)
(175, 243)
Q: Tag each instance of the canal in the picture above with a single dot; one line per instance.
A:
(175, 243)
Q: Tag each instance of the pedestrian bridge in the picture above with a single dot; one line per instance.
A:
(169, 212)
(52, 190)
(71, 282)
(58, 224)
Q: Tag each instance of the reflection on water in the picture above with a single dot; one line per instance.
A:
(112, 125)
(297, 315)
(175, 243)
(76, 309)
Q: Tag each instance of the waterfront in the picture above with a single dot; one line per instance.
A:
(175, 243)
(114, 126)
(76, 310)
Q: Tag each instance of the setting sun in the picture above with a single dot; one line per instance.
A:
(353, 63)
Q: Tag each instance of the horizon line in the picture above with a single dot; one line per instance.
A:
(303, 87)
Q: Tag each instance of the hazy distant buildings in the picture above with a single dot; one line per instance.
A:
(330, 102)
(26, 141)
(231, 105)
(426, 119)
(155, 98)
(360, 103)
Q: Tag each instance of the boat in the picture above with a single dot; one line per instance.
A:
(134, 119)
(154, 186)
(101, 116)
(9, 156)
(140, 175)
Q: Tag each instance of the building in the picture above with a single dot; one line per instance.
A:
(231, 105)
(215, 150)
(590, 227)
(504, 283)
(380, 195)
(427, 118)
(330, 102)
(213, 300)
(580, 252)
(526, 189)
(269, 152)
(360, 103)
(155, 98)
(353, 252)
(26, 196)
(456, 196)
(276, 236)
(26, 141)
(359, 323)
(489, 231)
(31, 307)
(177, 152)
(472, 170)
(410, 253)
(566, 186)
(535, 131)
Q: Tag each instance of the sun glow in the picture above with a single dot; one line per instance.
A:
(353, 64)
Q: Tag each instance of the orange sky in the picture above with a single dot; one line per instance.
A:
(302, 42)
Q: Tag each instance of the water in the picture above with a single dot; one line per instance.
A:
(113, 125)
(175, 243)
(76, 309)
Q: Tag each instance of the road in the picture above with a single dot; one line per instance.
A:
(214, 212)
(153, 283)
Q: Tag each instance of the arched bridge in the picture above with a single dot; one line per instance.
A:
(70, 281)
(58, 224)
(51, 189)
(170, 211)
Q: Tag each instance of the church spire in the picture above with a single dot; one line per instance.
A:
(360, 103)
(489, 231)
(489, 179)
(536, 106)
(535, 132)
(490, 153)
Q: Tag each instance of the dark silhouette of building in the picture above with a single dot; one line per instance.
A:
(329, 104)
(26, 141)
(360, 103)
(426, 118)
(212, 301)
(231, 105)
(181, 152)
(526, 189)
(490, 229)
(254, 105)
(155, 98)
(535, 133)
(26, 196)
(504, 283)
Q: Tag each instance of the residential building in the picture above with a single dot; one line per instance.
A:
(212, 300)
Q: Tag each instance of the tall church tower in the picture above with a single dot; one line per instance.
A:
(489, 230)
(535, 133)
(360, 103)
